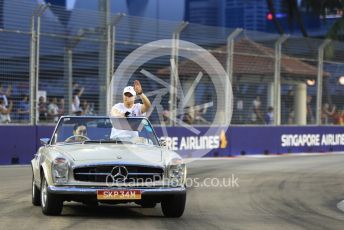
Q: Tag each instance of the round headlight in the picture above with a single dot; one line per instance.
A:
(60, 168)
(177, 171)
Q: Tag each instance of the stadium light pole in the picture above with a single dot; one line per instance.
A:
(320, 79)
(174, 76)
(277, 79)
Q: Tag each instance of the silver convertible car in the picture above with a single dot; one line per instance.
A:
(97, 160)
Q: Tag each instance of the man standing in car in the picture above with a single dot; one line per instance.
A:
(128, 108)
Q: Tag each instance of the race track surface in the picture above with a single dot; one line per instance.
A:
(282, 192)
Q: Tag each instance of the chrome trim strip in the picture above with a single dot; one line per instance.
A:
(129, 174)
(63, 190)
(93, 174)
(117, 163)
(144, 174)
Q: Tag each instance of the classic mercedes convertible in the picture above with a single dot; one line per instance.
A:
(97, 160)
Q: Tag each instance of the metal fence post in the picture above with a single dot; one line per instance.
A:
(38, 34)
(277, 79)
(32, 69)
(174, 77)
(70, 77)
(230, 51)
(112, 40)
(320, 79)
(68, 59)
(103, 62)
(108, 64)
(229, 67)
(34, 61)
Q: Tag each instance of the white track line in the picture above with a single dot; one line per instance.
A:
(340, 206)
(254, 156)
(260, 156)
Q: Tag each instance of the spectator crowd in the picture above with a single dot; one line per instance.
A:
(17, 109)
(49, 109)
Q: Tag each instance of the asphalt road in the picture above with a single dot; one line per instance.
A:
(285, 192)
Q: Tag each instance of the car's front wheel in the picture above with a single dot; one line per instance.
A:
(36, 197)
(51, 204)
(174, 205)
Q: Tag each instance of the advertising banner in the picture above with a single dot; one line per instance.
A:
(19, 143)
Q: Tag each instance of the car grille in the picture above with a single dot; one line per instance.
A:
(134, 173)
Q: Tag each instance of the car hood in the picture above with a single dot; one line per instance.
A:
(96, 153)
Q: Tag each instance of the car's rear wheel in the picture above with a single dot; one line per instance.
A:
(51, 204)
(173, 205)
(36, 197)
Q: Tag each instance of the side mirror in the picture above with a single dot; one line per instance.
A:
(44, 141)
(162, 143)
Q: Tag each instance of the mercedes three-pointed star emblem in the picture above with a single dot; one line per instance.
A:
(118, 175)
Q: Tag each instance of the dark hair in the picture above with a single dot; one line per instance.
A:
(77, 125)
(76, 91)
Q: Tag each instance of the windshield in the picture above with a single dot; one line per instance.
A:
(104, 130)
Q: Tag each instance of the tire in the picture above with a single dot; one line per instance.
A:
(36, 194)
(50, 203)
(174, 205)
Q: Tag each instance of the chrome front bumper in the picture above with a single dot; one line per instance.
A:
(77, 190)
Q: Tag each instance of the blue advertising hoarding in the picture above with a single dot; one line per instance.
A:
(19, 143)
